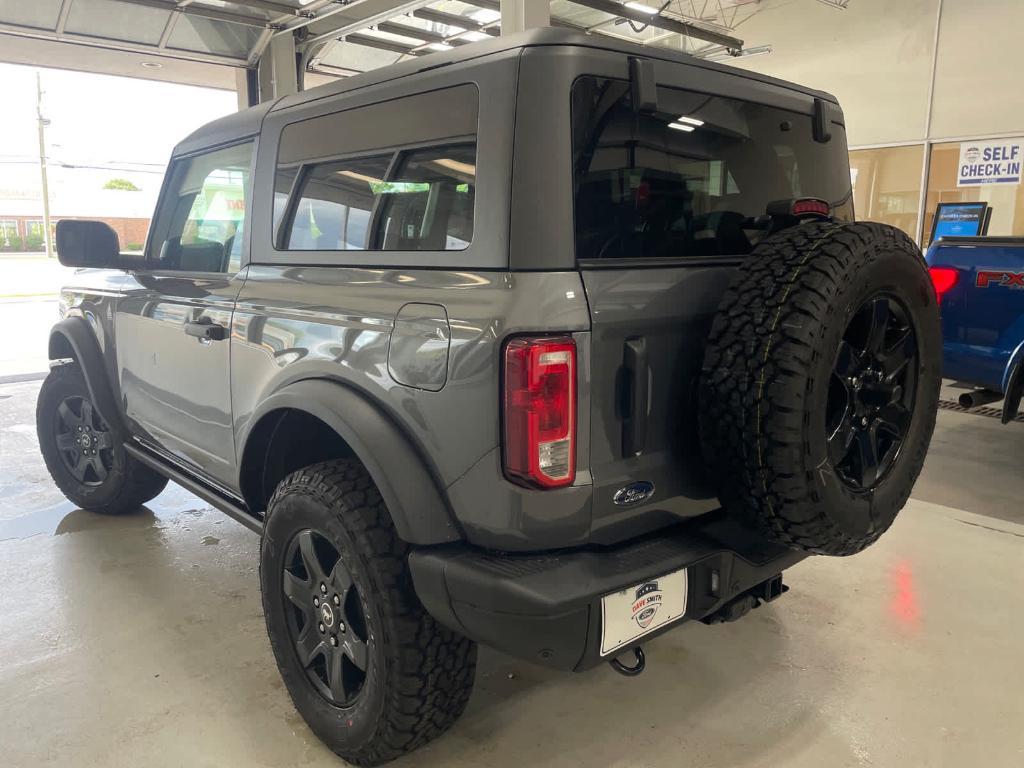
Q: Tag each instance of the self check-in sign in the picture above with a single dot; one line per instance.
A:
(990, 162)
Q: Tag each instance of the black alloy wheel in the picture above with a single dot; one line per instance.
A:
(871, 393)
(84, 441)
(326, 620)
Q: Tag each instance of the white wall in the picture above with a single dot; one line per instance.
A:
(876, 58)
(979, 77)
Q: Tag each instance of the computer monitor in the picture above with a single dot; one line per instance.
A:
(960, 220)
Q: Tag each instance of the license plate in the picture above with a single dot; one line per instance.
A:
(641, 609)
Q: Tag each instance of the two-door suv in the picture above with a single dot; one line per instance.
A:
(548, 343)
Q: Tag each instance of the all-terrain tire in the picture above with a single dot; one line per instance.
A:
(127, 483)
(420, 674)
(769, 368)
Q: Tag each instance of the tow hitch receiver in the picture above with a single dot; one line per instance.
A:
(741, 605)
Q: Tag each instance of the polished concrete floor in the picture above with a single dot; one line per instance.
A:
(139, 641)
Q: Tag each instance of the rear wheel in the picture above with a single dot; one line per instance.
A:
(368, 668)
(83, 455)
(820, 384)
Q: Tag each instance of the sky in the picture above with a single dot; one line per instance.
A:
(126, 127)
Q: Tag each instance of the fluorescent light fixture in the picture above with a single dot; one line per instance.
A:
(360, 177)
(681, 127)
(439, 47)
(485, 15)
(726, 55)
(642, 8)
(690, 121)
(466, 169)
(475, 36)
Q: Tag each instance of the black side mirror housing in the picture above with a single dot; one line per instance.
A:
(87, 244)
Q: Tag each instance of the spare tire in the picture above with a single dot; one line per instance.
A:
(820, 384)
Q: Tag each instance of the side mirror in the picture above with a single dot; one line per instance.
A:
(87, 244)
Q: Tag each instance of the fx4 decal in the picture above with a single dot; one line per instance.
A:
(1000, 277)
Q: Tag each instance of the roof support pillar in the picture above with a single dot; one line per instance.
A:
(520, 15)
(247, 87)
(278, 68)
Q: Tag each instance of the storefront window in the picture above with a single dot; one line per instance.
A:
(887, 185)
(1006, 199)
(9, 234)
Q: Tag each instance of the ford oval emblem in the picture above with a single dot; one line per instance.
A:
(634, 493)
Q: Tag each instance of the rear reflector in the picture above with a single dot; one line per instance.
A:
(943, 278)
(540, 411)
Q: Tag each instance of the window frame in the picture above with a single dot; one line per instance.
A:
(151, 262)
(492, 132)
(397, 156)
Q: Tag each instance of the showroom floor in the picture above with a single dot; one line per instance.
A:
(139, 641)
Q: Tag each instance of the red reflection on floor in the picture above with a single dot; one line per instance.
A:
(904, 605)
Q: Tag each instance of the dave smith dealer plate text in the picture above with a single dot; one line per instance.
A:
(641, 609)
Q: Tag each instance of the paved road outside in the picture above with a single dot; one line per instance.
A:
(29, 285)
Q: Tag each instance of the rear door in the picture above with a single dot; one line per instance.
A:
(667, 205)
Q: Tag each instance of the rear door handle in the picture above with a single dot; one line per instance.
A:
(634, 424)
(206, 331)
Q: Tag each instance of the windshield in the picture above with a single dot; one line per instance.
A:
(691, 178)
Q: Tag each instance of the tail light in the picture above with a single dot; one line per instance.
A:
(540, 411)
(943, 278)
(811, 206)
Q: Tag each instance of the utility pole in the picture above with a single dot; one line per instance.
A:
(43, 122)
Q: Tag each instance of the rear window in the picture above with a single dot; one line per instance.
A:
(691, 178)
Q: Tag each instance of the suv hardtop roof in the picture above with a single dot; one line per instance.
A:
(248, 121)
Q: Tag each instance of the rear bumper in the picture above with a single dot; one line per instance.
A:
(546, 607)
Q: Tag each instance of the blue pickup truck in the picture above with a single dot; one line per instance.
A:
(980, 285)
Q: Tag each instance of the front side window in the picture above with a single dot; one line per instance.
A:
(693, 178)
(201, 221)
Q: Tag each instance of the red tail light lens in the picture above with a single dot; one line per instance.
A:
(943, 278)
(810, 205)
(540, 411)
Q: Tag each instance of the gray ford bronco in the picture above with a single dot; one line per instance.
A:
(549, 342)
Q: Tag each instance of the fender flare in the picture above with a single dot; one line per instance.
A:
(413, 496)
(75, 332)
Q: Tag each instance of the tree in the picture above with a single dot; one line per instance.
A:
(122, 184)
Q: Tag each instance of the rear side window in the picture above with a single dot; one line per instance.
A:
(692, 178)
(339, 189)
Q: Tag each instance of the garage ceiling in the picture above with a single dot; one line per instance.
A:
(336, 38)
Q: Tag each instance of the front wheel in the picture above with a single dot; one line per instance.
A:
(83, 455)
(368, 668)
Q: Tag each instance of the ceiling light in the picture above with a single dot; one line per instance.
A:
(681, 127)
(485, 16)
(642, 8)
(728, 55)
(151, 64)
(690, 121)
(360, 177)
(439, 47)
(475, 36)
(467, 169)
